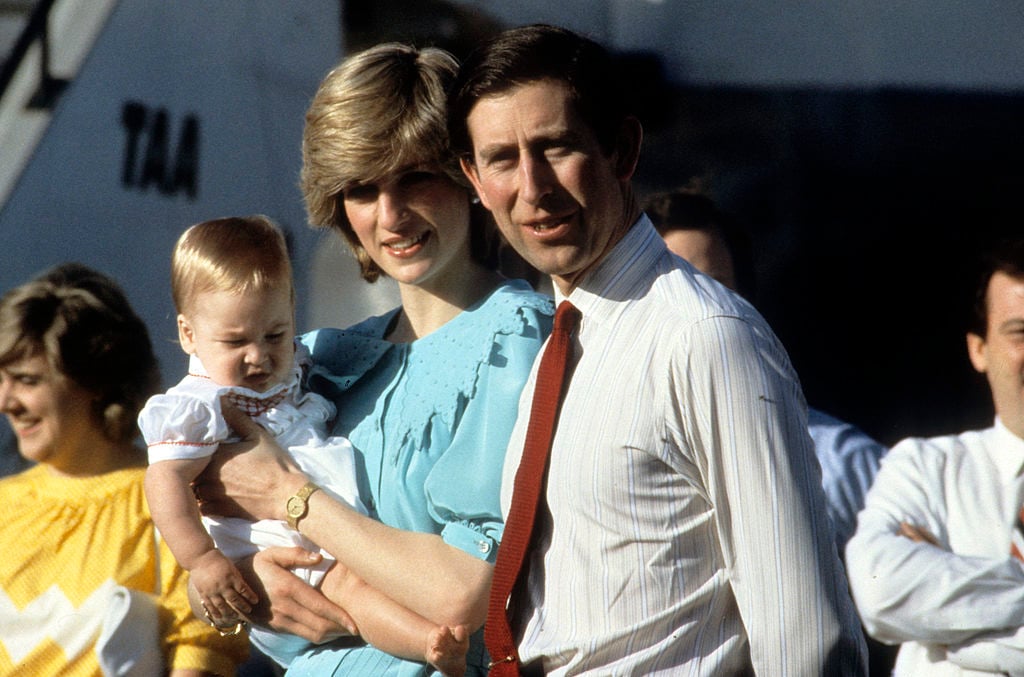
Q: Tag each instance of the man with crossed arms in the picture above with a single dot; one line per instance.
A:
(932, 564)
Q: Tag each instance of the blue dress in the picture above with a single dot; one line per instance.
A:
(429, 421)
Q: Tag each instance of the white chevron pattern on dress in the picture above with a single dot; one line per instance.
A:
(52, 615)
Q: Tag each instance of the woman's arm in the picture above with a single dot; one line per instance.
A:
(449, 587)
(254, 479)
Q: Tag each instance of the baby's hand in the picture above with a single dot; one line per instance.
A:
(446, 650)
(223, 591)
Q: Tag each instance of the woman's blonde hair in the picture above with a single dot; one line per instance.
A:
(379, 111)
(236, 254)
(82, 323)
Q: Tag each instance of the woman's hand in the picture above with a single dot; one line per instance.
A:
(252, 478)
(293, 605)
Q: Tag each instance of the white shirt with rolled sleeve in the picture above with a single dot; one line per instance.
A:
(957, 609)
(687, 531)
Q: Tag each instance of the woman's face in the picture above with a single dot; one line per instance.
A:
(50, 414)
(414, 224)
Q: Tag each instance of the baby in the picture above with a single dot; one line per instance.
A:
(231, 281)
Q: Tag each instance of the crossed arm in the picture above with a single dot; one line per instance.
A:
(911, 587)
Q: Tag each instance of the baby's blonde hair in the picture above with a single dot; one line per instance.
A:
(236, 254)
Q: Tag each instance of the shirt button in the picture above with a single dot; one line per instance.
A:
(483, 546)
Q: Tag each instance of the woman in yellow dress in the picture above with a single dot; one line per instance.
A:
(86, 586)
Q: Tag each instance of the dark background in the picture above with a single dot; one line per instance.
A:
(867, 210)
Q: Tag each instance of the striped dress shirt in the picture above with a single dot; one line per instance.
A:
(685, 531)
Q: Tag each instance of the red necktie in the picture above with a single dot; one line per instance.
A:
(527, 490)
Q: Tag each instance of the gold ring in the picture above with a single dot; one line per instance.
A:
(222, 630)
(227, 632)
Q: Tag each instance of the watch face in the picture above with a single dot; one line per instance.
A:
(296, 506)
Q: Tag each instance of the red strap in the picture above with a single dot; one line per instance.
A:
(527, 490)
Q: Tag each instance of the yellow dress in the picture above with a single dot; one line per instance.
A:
(65, 543)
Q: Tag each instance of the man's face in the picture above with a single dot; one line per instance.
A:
(558, 199)
(1000, 353)
(705, 251)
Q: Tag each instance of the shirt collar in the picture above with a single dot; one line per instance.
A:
(1009, 457)
(196, 368)
(612, 279)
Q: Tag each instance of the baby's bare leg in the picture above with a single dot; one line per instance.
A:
(394, 629)
(446, 649)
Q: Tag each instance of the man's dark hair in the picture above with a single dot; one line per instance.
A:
(1006, 256)
(540, 52)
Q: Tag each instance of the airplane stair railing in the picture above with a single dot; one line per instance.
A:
(36, 31)
(55, 39)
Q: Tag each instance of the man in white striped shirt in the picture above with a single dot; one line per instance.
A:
(684, 528)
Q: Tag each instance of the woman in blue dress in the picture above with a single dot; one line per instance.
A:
(427, 393)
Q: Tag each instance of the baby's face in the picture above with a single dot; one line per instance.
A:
(242, 339)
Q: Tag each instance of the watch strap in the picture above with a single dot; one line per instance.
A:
(298, 505)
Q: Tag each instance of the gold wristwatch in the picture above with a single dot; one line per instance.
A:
(298, 505)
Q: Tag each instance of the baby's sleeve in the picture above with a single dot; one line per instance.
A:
(177, 427)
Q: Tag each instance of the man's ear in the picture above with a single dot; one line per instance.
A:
(471, 172)
(186, 335)
(627, 148)
(976, 351)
